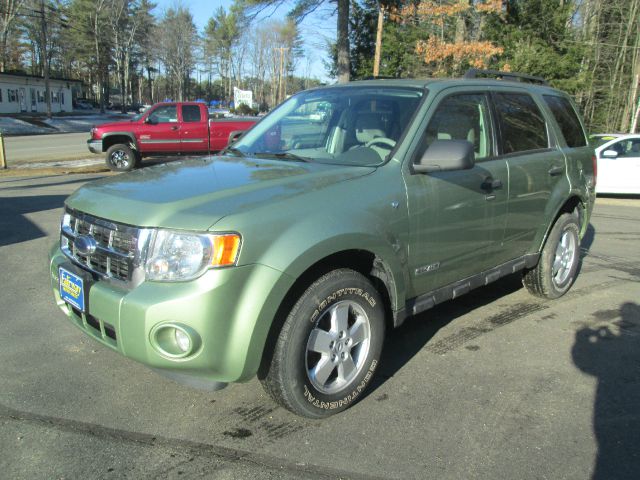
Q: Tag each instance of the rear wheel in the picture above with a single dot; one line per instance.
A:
(329, 346)
(121, 158)
(558, 264)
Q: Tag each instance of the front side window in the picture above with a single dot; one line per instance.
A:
(191, 113)
(357, 125)
(567, 120)
(164, 114)
(626, 148)
(522, 126)
(461, 117)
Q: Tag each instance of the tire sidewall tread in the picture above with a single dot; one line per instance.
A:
(539, 280)
(287, 381)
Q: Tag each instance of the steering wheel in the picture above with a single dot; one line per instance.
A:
(382, 141)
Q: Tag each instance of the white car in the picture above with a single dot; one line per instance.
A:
(619, 165)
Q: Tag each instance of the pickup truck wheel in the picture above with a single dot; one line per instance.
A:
(328, 347)
(558, 264)
(121, 158)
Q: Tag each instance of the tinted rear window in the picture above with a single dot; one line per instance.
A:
(522, 125)
(191, 113)
(567, 119)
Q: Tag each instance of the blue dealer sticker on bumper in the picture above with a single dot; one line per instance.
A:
(71, 289)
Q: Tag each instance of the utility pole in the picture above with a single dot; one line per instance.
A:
(282, 83)
(376, 60)
(43, 57)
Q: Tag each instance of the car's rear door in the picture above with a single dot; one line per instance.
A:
(536, 165)
(194, 128)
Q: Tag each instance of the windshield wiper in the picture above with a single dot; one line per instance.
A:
(282, 156)
(233, 150)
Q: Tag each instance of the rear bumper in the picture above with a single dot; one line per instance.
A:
(94, 146)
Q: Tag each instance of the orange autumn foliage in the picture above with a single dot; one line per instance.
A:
(477, 54)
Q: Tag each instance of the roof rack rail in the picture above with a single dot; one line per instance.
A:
(379, 77)
(508, 76)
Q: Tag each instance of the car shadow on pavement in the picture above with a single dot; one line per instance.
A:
(609, 350)
(403, 343)
(15, 227)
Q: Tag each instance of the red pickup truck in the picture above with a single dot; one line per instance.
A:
(176, 128)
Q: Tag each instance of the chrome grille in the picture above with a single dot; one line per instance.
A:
(116, 252)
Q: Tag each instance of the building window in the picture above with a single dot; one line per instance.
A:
(12, 95)
(54, 97)
(40, 96)
(62, 98)
(0, 95)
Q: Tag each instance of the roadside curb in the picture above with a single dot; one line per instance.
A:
(55, 168)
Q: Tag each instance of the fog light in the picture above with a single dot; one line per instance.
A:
(174, 340)
(183, 341)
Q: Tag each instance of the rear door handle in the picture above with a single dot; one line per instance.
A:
(553, 171)
(175, 127)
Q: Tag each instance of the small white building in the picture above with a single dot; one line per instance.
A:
(25, 93)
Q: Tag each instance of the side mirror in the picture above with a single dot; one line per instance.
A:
(610, 154)
(446, 155)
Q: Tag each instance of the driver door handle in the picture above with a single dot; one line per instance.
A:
(175, 127)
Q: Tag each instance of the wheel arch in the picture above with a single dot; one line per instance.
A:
(575, 205)
(365, 262)
(113, 138)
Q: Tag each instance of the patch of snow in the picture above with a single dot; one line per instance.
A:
(13, 126)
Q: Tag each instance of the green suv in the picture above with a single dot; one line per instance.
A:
(343, 212)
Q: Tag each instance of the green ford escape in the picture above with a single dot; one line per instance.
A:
(340, 214)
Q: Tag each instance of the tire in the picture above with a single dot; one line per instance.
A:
(329, 346)
(121, 158)
(559, 259)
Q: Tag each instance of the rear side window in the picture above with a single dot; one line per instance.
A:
(567, 119)
(191, 113)
(522, 125)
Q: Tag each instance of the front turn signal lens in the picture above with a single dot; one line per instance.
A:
(225, 250)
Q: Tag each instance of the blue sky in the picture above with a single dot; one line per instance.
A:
(315, 29)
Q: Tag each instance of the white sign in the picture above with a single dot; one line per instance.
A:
(242, 96)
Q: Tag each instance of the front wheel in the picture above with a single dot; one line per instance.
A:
(329, 346)
(558, 264)
(121, 158)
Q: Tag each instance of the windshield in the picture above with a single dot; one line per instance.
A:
(338, 125)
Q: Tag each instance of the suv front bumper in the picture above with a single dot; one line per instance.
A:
(227, 311)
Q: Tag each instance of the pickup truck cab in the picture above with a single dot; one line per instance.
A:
(345, 211)
(176, 128)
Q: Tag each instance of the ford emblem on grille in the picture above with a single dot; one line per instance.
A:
(85, 244)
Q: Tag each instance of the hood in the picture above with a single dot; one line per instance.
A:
(114, 125)
(195, 194)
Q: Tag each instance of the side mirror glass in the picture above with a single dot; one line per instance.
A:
(610, 154)
(446, 155)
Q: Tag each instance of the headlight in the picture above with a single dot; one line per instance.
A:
(179, 256)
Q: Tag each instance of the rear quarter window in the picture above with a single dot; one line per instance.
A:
(567, 119)
(522, 125)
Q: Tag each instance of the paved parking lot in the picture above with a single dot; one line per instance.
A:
(495, 385)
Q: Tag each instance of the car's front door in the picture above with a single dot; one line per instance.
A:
(161, 131)
(457, 218)
(620, 173)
